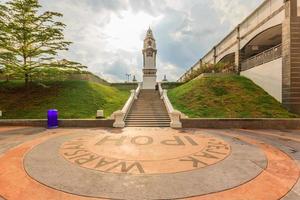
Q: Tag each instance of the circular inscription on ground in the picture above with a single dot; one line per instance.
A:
(145, 152)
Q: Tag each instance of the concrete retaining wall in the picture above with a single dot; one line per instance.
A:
(186, 123)
(62, 123)
(242, 123)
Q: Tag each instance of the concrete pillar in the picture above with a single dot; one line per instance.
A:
(291, 57)
(237, 61)
(215, 55)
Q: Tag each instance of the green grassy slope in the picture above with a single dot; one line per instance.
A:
(229, 96)
(73, 99)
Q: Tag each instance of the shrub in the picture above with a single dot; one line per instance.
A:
(211, 68)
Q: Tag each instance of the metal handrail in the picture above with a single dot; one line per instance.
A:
(262, 58)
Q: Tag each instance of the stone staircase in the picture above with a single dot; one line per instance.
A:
(148, 111)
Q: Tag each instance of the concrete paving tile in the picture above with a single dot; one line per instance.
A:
(291, 196)
(257, 163)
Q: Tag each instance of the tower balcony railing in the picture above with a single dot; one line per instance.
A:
(262, 58)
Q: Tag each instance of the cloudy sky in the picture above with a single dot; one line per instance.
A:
(108, 34)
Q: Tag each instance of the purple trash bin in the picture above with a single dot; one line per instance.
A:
(52, 119)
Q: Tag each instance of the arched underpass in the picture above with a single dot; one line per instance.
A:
(262, 61)
(263, 48)
(229, 59)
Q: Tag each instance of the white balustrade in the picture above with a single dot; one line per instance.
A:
(174, 115)
(119, 116)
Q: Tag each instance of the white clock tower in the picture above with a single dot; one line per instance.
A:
(149, 53)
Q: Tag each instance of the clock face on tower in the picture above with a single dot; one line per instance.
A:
(149, 53)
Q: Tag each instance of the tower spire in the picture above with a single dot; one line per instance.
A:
(149, 32)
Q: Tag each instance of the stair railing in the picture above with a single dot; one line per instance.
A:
(119, 116)
(174, 115)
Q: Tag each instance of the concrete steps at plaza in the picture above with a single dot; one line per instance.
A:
(148, 111)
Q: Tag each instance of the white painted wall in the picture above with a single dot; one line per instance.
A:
(268, 76)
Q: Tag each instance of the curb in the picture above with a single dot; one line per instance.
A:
(62, 123)
(259, 123)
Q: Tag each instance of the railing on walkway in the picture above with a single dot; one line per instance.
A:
(119, 116)
(262, 58)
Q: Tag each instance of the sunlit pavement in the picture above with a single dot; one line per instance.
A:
(149, 163)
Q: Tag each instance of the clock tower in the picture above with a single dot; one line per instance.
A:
(149, 69)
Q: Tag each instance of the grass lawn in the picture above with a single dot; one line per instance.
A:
(229, 96)
(73, 99)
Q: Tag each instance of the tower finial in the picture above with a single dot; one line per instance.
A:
(149, 32)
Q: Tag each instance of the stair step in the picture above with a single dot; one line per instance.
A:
(152, 125)
(154, 113)
(147, 108)
(148, 117)
(146, 114)
(147, 120)
(148, 105)
(154, 109)
(148, 125)
(148, 111)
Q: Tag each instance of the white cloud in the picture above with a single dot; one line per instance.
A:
(108, 34)
(234, 11)
(124, 31)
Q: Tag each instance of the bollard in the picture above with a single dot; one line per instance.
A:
(52, 119)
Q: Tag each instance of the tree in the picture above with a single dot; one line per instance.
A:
(29, 41)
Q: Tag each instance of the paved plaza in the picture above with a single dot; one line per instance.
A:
(149, 163)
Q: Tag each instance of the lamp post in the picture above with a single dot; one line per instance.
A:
(128, 77)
